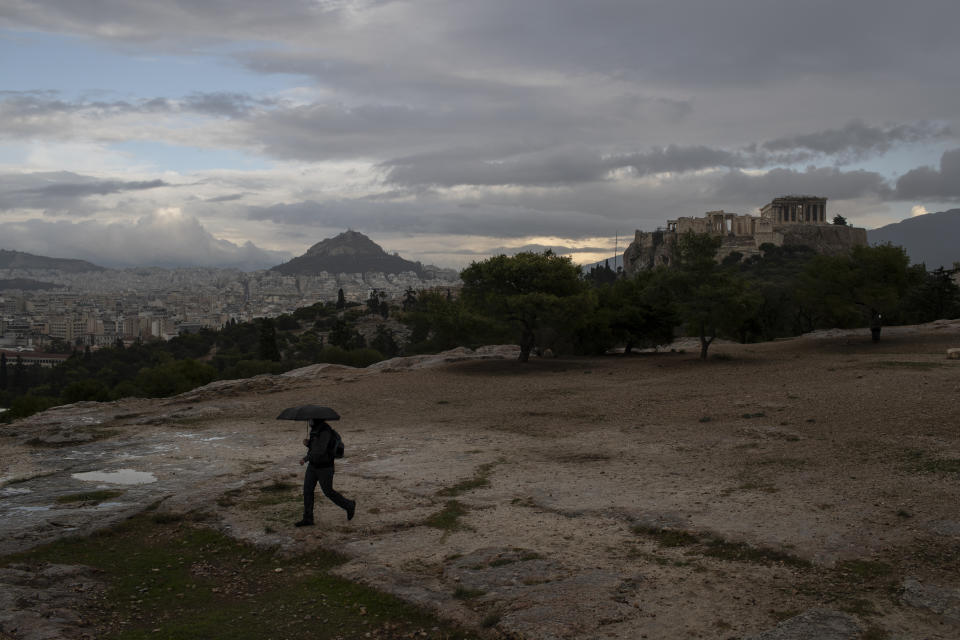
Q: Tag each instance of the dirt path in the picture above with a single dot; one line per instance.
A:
(813, 481)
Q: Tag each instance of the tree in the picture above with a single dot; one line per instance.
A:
(633, 312)
(539, 295)
(930, 296)
(599, 275)
(859, 288)
(384, 342)
(3, 371)
(773, 274)
(409, 299)
(373, 302)
(438, 322)
(268, 349)
(19, 375)
(174, 376)
(341, 300)
(839, 220)
(713, 299)
(339, 336)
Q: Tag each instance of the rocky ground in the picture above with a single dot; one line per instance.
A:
(805, 488)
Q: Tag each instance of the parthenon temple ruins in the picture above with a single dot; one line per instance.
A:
(787, 220)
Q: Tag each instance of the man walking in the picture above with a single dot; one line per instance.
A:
(321, 452)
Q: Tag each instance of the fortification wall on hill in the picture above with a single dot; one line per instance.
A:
(654, 248)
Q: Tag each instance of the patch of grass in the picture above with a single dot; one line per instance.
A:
(28, 478)
(864, 570)
(94, 497)
(906, 364)
(723, 357)
(742, 552)
(716, 547)
(448, 517)
(525, 556)
(859, 606)
(166, 517)
(786, 463)
(182, 582)
(279, 486)
(95, 435)
(229, 498)
(874, 632)
(750, 486)
(443, 402)
(918, 461)
(705, 419)
(480, 479)
(785, 614)
(758, 414)
(491, 620)
(582, 457)
(668, 537)
(463, 593)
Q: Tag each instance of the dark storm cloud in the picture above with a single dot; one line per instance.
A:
(829, 181)
(61, 190)
(169, 24)
(554, 117)
(553, 169)
(929, 183)
(230, 197)
(434, 216)
(857, 139)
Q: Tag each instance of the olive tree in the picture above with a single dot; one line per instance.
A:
(540, 296)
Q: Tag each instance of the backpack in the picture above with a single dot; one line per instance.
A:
(324, 457)
(336, 444)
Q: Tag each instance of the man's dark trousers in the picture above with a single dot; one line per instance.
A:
(323, 476)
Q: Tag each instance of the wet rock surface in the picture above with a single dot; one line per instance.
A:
(821, 624)
(944, 601)
(40, 604)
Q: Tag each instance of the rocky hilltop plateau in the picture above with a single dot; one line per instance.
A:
(804, 488)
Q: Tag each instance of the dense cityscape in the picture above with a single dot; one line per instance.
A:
(98, 308)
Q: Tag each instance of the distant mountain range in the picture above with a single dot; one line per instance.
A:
(349, 252)
(20, 260)
(933, 238)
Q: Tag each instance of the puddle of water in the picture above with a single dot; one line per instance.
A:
(32, 508)
(110, 505)
(213, 438)
(120, 476)
(14, 491)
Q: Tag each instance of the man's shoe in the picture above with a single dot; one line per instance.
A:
(303, 523)
(351, 509)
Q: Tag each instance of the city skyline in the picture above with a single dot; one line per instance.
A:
(239, 134)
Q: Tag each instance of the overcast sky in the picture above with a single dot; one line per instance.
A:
(241, 132)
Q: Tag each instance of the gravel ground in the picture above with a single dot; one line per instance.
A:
(806, 486)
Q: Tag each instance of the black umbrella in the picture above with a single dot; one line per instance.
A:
(308, 412)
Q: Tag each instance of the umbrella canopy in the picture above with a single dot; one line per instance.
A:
(308, 412)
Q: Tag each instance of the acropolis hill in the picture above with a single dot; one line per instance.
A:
(787, 220)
